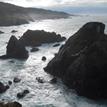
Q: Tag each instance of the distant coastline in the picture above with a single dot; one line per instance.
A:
(15, 15)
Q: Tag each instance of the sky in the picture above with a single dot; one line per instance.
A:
(51, 3)
(65, 5)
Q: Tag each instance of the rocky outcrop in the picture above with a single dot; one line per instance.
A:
(56, 45)
(40, 80)
(34, 49)
(82, 62)
(3, 88)
(10, 104)
(14, 31)
(53, 80)
(15, 49)
(38, 37)
(10, 83)
(43, 58)
(16, 80)
(1, 32)
(22, 94)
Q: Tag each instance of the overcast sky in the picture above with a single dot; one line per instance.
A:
(52, 3)
(70, 6)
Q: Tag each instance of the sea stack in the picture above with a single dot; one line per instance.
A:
(15, 49)
(82, 62)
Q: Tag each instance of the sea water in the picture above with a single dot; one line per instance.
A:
(42, 94)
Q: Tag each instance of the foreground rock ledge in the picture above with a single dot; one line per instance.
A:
(38, 37)
(82, 62)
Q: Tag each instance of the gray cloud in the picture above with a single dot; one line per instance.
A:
(48, 3)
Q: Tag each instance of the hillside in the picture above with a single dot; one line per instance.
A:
(14, 15)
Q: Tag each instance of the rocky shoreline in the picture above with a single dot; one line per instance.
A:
(81, 62)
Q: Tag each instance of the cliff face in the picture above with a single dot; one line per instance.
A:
(15, 15)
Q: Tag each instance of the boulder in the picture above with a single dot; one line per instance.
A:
(38, 37)
(3, 88)
(34, 49)
(10, 82)
(1, 32)
(40, 79)
(82, 62)
(22, 94)
(15, 49)
(14, 31)
(10, 104)
(56, 45)
(43, 58)
(16, 80)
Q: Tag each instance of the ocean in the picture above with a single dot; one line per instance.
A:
(43, 94)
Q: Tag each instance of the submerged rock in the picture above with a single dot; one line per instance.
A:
(11, 61)
(10, 82)
(38, 37)
(10, 104)
(56, 45)
(16, 80)
(15, 49)
(22, 94)
(3, 88)
(43, 58)
(1, 32)
(13, 31)
(82, 62)
(34, 49)
(40, 79)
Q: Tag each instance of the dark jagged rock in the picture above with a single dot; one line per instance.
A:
(43, 58)
(38, 37)
(34, 49)
(53, 80)
(22, 94)
(82, 62)
(13, 31)
(3, 88)
(10, 82)
(40, 79)
(10, 104)
(1, 32)
(56, 45)
(15, 49)
(16, 80)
